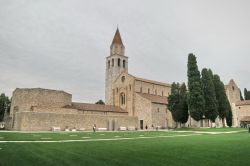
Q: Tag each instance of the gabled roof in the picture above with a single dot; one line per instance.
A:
(117, 38)
(95, 107)
(244, 102)
(155, 98)
(153, 82)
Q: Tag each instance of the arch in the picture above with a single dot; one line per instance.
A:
(124, 63)
(118, 61)
(112, 62)
(122, 98)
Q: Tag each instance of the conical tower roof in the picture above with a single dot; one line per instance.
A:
(117, 38)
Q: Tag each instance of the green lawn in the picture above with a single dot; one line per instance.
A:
(149, 148)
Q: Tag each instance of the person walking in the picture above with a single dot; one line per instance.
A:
(94, 128)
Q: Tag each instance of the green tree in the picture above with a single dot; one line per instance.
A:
(183, 104)
(246, 94)
(211, 104)
(177, 103)
(4, 105)
(229, 116)
(173, 100)
(222, 99)
(241, 97)
(195, 96)
(100, 102)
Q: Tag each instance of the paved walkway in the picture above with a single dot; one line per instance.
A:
(102, 139)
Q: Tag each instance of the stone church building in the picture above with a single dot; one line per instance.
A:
(131, 103)
(141, 98)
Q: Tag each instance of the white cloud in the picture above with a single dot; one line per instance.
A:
(62, 44)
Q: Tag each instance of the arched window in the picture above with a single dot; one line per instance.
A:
(129, 87)
(156, 92)
(109, 64)
(141, 89)
(122, 98)
(112, 62)
(118, 62)
(124, 63)
(148, 91)
(162, 93)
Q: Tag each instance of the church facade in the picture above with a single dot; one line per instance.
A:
(142, 98)
(132, 103)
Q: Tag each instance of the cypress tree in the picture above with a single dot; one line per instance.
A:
(195, 95)
(4, 105)
(229, 116)
(221, 97)
(211, 104)
(177, 103)
(241, 97)
(246, 94)
(183, 104)
(173, 101)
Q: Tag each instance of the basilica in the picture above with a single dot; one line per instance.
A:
(131, 103)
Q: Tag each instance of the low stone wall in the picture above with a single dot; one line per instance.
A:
(40, 121)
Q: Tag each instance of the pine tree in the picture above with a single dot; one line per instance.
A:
(195, 95)
(221, 97)
(211, 104)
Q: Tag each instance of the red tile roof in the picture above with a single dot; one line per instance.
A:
(152, 82)
(96, 107)
(155, 98)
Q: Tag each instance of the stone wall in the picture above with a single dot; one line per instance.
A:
(25, 99)
(41, 121)
(143, 110)
(233, 92)
(161, 116)
(242, 111)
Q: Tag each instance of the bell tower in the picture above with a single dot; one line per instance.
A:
(116, 63)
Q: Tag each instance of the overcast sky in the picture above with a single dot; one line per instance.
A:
(62, 44)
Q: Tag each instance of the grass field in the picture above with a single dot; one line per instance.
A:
(189, 147)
